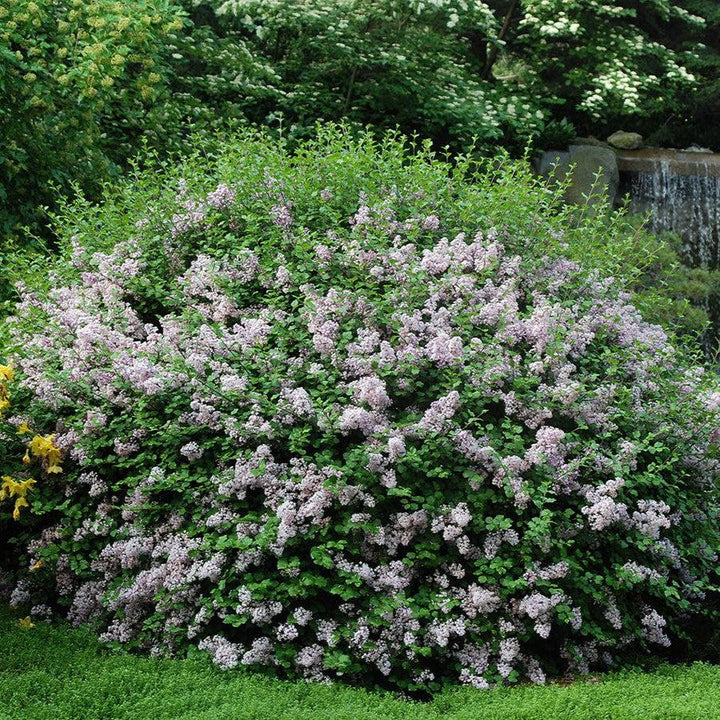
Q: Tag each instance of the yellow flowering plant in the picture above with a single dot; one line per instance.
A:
(10, 489)
(7, 374)
(40, 450)
(26, 623)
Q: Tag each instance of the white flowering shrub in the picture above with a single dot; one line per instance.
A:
(341, 415)
(409, 63)
(497, 71)
(615, 59)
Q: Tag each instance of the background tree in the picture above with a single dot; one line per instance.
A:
(502, 71)
(609, 63)
(73, 77)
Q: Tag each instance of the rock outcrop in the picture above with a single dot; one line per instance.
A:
(626, 140)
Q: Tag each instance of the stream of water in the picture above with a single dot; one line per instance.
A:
(681, 192)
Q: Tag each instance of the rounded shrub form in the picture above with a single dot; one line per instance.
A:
(358, 445)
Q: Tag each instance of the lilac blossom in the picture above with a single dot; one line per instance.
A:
(222, 197)
(281, 215)
(192, 451)
(371, 390)
(431, 222)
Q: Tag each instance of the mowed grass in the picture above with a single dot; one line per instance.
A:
(54, 673)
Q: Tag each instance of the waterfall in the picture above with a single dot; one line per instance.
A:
(681, 193)
(678, 191)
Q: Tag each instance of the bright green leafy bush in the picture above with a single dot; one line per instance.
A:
(674, 295)
(345, 414)
(75, 79)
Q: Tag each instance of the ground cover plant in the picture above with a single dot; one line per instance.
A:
(52, 673)
(348, 415)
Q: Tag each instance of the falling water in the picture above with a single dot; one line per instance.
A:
(681, 193)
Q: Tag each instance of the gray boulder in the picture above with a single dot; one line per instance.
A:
(590, 140)
(626, 140)
(553, 164)
(595, 176)
(592, 171)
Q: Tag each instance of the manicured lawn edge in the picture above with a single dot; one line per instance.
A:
(51, 672)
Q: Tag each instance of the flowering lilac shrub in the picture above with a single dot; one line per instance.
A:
(370, 444)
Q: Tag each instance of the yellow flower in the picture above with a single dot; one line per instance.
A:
(40, 446)
(26, 623)
(44, 447)
(23, 428)
(7, 373)
(11, 488)
(7, 482)
(20, 502)
(4, 395)
(54, 462)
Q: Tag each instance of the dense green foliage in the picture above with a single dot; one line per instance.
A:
(679, 297)
(82, 83)
(352, 413)
(77, 81)
(608, 63)
(53, 673)
(696, 119)
(505, 70)
(388, 63)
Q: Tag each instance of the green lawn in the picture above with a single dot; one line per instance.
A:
(59, 674)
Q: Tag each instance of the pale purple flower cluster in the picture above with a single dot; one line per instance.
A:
(653, 624)
(651, 517)
(603, 509)
(192, 451)
(295, 404)
(221, 198)
(281, 215)
(223, 652)
(540, 608)
(441, 411)
(371, 390)
(191, 217)
(431, 222)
